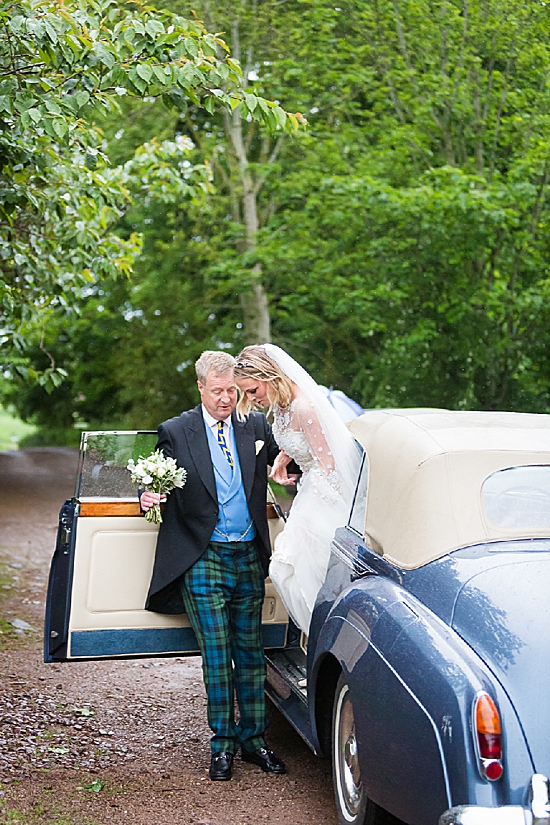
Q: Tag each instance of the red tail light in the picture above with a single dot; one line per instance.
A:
(488, 737)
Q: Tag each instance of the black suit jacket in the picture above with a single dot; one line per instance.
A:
(190, 513)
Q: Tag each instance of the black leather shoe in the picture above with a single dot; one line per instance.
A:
(221, 766)
(267, 760)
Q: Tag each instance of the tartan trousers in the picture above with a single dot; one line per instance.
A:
(223, 593)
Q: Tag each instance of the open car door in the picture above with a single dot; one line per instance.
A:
(102, 565)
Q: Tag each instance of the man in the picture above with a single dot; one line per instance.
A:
(212, 556)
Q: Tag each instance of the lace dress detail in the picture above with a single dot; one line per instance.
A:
(300, 558)
(298, 433)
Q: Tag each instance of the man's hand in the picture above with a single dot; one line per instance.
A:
(148, 499)
(279, 472)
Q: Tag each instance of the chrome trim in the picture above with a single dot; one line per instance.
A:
(539, 798)
(364, 458)
(358, 566)
(536, 812)
(474, 815)
(349, 786)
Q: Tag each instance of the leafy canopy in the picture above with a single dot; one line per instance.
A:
(59, 201)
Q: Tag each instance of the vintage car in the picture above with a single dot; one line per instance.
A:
(428, 659)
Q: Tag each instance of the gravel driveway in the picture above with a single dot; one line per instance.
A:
(120, 741)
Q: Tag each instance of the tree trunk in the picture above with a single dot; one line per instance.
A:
(256, 322)
(255, 307)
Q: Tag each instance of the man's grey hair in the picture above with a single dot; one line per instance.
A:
(220, 363)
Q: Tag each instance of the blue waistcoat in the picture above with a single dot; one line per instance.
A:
(233, 515)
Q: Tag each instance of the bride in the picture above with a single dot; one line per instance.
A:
(308, 430)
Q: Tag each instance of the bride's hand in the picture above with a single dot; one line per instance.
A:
(278, 471)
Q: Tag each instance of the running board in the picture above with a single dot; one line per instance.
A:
(286, 675)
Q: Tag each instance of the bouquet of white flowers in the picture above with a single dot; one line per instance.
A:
(157, 474)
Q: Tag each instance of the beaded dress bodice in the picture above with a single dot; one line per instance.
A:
(293, 442)
(297, 431)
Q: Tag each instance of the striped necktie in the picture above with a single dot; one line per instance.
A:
(223, 444)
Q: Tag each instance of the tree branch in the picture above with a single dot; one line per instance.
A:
(272, 158)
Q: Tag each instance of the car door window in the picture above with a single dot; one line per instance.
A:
(357, 516)
(103, 460)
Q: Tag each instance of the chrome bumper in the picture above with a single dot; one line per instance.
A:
(535, 812)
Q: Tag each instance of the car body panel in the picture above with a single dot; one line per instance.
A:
(504, 614)
(420, 667)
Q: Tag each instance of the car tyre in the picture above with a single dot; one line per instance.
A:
(349, 791)
(352, 803)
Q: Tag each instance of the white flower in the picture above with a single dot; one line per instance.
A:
(183, 142)
(158, 474)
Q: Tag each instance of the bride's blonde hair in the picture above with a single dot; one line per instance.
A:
(253, 362)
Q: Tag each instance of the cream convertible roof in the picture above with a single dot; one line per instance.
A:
(426, 471)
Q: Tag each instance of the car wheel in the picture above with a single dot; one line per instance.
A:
(352, 803)
(351, 799)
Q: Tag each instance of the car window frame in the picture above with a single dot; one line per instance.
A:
(360, 487)
(86, 434)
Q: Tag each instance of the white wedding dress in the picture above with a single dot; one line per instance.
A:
(312, 433)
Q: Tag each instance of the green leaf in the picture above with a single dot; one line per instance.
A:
(251, 101)
(235, 65)
(8, 86)
(52, 107)
(103, 55)
(160, 74)
(51, 32)
(93, 787)
(191, 47)
(223, 71)
(154, 28)
(90, 160)
(6, 103)
(192, 96)
(82, 98)
(60, 127)
(280, 116)
(294, 120)
(17, 23)
(140, 84)
(145, 71)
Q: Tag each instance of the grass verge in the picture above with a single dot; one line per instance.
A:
(12, 430)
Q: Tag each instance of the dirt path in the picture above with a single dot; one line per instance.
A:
(113, 742)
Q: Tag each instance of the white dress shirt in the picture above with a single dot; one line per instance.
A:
(212, 422)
